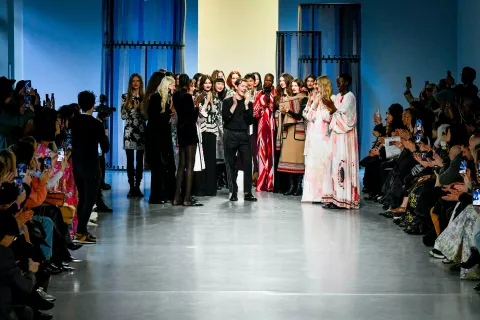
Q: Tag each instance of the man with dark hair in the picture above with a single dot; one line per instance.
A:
(237, 117)
(87, 134)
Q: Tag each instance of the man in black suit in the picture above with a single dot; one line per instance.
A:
(237, 113)
(87, 134)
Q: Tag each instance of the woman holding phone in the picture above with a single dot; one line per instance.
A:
(134, 133)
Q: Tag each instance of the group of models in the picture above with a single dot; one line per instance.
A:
(297, 139)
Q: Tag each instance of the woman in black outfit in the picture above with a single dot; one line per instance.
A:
(187, 116)
(159, 151)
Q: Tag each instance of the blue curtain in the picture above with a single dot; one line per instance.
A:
(139, 37)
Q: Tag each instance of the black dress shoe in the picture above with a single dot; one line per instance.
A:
(52, 269)
(317, 202)
(45, 295)
(234, 197)
(250, 197)
(473, 260)
(39, 303)
(73, 246)
(39, 315)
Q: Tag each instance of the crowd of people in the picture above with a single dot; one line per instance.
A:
(50, 179)
(424, 169)
(296, 138)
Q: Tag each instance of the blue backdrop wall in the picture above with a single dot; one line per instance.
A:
(469, 34)
(399, 39)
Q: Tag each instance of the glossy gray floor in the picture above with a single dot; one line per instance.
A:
(275, 259)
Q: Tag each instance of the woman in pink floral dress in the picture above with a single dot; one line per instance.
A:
(341, 182)
(318, 135)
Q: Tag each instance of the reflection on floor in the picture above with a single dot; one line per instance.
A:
(275, 259)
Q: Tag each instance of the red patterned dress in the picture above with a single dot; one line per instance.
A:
(263, 110)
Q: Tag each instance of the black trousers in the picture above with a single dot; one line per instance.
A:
(87, 195)
(134, 173)
(238, 141)
(205, 181)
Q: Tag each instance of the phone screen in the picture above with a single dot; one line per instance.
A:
(18, 181)
(28, 86)
(463, 167)
(27, 101)
(22, 170)
(47, 163)
(419, 125)
(424, 156)
(61, 154)
(418, 138)
(476, 197)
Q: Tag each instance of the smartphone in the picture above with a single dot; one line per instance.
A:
(463, 167)
(22, 170)
(18, 181)
(47, 163)
(418, 138)
(476, 197)
(419, 125)
(61, 154)
(28, 86)
(409, 80)
(27, 100)
(424, 156)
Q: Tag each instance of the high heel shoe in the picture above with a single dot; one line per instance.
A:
(473, 260)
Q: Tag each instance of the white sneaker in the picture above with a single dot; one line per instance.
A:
(91, 224)
(93, 217)
(437, 254)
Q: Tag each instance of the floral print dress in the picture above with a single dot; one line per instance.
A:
(135, 126)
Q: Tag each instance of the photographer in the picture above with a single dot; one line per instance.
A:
(103, 113)
(87, 134)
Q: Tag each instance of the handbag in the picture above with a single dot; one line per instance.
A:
(55, 199)
(68, 213)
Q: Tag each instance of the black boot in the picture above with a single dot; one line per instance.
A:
(291, 189)
(131, 192)
(299, 190)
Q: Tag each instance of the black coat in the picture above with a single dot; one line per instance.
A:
(159, 145)
(187, 119)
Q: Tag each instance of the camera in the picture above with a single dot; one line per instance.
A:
(103, 109)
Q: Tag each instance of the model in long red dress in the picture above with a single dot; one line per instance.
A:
(263, 111)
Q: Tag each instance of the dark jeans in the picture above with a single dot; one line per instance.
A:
(134, 173)
(87, 195)
(238, 141)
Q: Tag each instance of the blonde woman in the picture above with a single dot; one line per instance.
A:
(318, 138)
(159, 151)
(134, 133)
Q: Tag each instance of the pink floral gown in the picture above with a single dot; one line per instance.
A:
(341, 181)
(316, 146)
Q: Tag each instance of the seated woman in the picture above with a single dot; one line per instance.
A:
(456, 241)
(377, 154)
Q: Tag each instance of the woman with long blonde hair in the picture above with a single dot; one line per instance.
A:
(158, 147)
(316, 150)
(134, 133)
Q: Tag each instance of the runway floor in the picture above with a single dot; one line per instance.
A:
(276, 259)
